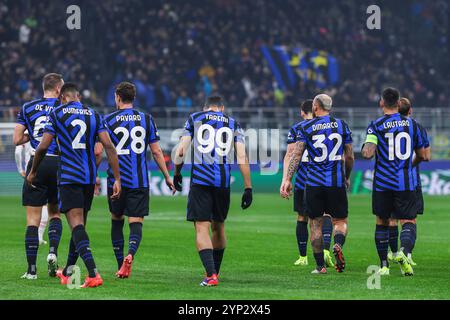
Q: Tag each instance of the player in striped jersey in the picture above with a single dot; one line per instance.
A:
(131, 132)
(214, 135)
(405, 109)
(299, 190)
(328, 141)
(32, 119)
(22, 156)
(76, 129)
(393, 139)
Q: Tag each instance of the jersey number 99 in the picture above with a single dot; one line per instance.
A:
(214, 138)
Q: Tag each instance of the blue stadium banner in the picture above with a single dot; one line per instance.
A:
(289, 65)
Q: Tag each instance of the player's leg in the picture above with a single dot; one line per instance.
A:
(32, 241)
(301, 230)
(382, 208)
(54, 237)
(117, 209)
(340, 234)
(302, 235)
(406, 211)
(200, 210)
(315, 224)
(205, 248)
(327, 232)
(393, 239)
(117, 238)
(72, 256)
(219, 242)
(337, 207)
(43, 225)
(136, 207)
(315, 207)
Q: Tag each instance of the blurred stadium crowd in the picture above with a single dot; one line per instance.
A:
(177, 51)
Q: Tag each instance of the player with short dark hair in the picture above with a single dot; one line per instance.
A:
(131, 132)
(214, 136)
(299, 191)
(394, 139)
(405, 109)
(32, 119)
(328, 141)
(76, 128)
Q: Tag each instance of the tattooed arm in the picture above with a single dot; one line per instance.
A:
(295, 158)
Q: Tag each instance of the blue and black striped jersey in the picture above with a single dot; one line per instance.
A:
(396, 138)
(213, 135)
(131, 132)
(76, 128)
(426, 144)
(302, 171)
(325, 138)
(34, 116)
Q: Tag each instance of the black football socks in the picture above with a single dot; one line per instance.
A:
(408, 237)
(327, 231)
(382, 243)
(393, 238)
(54, 234)
(218, 256)
(81, 240)
(117, 240)
(302, 237)
(135, 237)
(72, 258)
(31, 247)
(207, 258)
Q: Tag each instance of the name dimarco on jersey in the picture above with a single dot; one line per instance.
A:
(323, 126)
(129, 117)
(77, 111)
(215, 117)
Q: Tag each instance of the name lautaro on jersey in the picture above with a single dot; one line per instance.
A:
(395, 124)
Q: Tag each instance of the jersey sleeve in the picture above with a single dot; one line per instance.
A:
(347, 134)
(300, 135)
(154, 134)
(21, 117)
(423, 132)
(239, 134)
(188, 128)
(101, 124)
(292, 136)
(371, 135)
(50, 126)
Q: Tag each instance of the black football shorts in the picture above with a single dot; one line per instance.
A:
(332, 200)
(132, 202)
(299, 202)
(207, 203)
(75, 196)
(420, 202)
(395, 204)
(46, 184)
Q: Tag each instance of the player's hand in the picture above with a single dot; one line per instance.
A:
(286, 189)
(178, 182)
(117, 190)
(170, 184)
(347, 184)
(30, 178)
(97, 186)
(247, 198)
(23, 174)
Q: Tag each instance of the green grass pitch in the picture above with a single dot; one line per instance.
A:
(258, 263)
